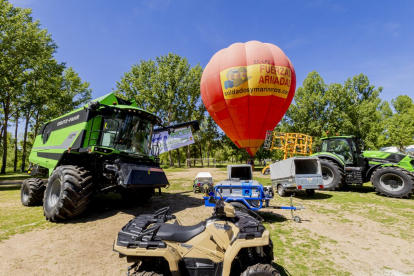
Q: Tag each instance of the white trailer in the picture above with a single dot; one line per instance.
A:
(296, 174)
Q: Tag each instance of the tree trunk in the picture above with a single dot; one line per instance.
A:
(15, 142)
(171, 161)
(178, 157)
(201, 157)
(188, 156)
(6, 117)
(1, 134)
(208, 155)
(26, 125)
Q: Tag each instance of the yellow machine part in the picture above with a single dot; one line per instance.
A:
(291, 144)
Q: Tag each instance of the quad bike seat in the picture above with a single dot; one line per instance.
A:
(179, 233)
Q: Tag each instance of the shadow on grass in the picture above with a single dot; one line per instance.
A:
(283, 271)
(316, 196)
(359, 189)
(111, 204)
(272, 217)
(11, 187)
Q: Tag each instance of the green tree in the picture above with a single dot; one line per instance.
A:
(350, 109)
(400, 127)
(167, 87)
(22, 44)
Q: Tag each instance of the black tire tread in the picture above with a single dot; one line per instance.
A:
(76, 194)
(341, 182)
(260, 270)
(239, 205)
(385, 193)
(36, 191)
(146, 273)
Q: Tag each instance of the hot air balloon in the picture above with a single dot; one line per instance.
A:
(247, 88)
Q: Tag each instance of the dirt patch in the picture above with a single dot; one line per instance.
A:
(83, 246)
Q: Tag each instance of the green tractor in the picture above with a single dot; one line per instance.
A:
(344, 161)
(102, 147)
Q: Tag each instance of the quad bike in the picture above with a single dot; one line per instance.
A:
(227, 243)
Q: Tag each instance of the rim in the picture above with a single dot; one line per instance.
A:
(391, 182)
(280, 190)
(54, 193)
(25, 193)
(327, 175)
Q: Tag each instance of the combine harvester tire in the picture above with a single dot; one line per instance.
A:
(68, 193)
(32, 191)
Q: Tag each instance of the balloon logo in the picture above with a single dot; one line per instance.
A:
(247, 88)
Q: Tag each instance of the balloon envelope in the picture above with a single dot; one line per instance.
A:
(247, 88)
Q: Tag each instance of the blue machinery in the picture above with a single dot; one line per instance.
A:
(251, 195)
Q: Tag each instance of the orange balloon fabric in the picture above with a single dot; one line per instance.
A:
(247, 88)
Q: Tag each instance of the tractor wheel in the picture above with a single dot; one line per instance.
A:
(31, 193)
(393, 182)
(280, 191)
(260, 270)
(310, 192)
(137, 197)
(68, 193)
(332, 175)
(240, 206)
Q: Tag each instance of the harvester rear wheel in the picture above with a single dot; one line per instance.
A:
(260, 270)
(332, 175)
(31, 193)
(68, 193)
(393, 182)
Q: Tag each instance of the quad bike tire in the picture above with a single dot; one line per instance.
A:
(332, 173)
(240, 206)
(393, 182)
(146, 273)
(280, 191)
(260, 270)
(32, 191)
(68, 193)
(310, 192)
(137, 197)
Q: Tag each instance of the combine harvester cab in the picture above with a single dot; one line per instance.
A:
(296, 174)
(102, 147)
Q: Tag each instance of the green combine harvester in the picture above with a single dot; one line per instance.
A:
(344, 161)
(102, 147)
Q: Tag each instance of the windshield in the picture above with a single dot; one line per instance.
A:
(128, 133)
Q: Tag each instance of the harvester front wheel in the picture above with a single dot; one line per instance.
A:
(68, 193)
(31, 193)
(393, 182)
(260, 270)
(332, 175)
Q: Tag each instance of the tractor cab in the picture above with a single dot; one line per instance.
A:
(347, 148)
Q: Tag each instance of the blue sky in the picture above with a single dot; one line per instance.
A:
(338, 39)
